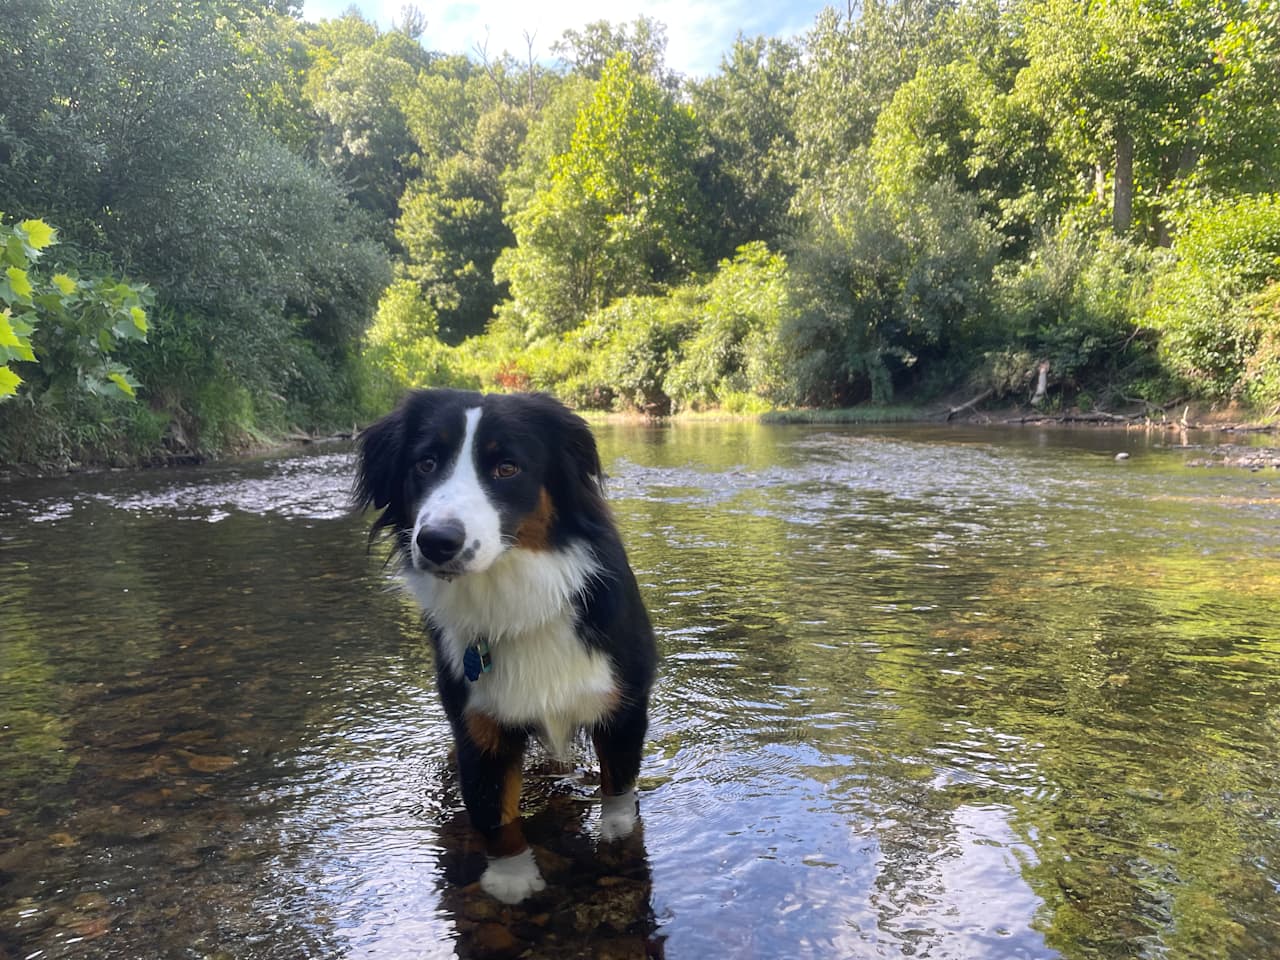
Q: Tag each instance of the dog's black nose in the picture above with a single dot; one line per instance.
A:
(441, 542)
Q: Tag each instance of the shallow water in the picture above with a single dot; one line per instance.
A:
(926, 693)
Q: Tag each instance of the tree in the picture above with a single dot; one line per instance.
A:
(951, 122)
(621, 214)
(358, 85)
(644, 41)
(452, 230)
(852, 66)
(1126, 86)
(746, 113)
(139, 129)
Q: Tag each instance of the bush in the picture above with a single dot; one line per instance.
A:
(403, 342)
(1204, 309)
(63, 328)
(1074, 302)
(733, 349)
(632, 345)
(1262, 365)
(884, 291)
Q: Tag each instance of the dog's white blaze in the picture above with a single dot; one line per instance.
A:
(462, 498)
(523, 605)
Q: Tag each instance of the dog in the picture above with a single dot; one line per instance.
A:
(495, 507)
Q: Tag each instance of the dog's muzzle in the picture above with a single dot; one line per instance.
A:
(439, 544)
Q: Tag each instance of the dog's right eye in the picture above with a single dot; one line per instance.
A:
(426, 465)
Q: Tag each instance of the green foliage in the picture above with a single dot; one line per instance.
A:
(1211, 321)
(910, 196)
(403, 341)
(632, 346)
(642, 43)
(63, 328)
(879, 289)
(732, 353)
(746, 113)
(141, 130)
(358, 85)
(452, 228)
(1075, 302)
(1129, 90)
(621, 214)
(1262, 365)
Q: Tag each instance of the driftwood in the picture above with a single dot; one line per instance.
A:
(1095, 417)
(970, 404)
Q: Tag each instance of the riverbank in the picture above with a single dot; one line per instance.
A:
(1188, 416)
(1192, 417)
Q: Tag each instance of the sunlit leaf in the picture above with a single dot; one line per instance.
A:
(139, 318)
(7, 337)
(125, 386)
(15, 345)
(9, 382)
(19, 282)
(39, 234)
(64, 283)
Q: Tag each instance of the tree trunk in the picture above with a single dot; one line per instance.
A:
(1186, 165)
(1042, 385)
(1122, 212)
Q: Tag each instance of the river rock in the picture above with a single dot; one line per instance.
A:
(494, 940)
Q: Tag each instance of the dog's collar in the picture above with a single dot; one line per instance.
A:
(477, 660)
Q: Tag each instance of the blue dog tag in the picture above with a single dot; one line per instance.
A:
(476, 661)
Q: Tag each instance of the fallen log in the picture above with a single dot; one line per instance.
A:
(970, 404)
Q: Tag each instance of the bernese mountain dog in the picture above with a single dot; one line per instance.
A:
(495, 507)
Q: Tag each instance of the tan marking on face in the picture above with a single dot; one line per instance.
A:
(534, 532)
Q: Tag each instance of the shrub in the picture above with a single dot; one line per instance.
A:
(1262, 365)
(884, 291)
(632, 345)
(403, 341)
(63, 328)
(738, 314)
(1075, 302)
(1203, 307)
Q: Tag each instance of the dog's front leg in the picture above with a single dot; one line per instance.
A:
(490, 759)
(619, 743)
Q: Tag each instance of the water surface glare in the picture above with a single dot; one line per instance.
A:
(926, 692)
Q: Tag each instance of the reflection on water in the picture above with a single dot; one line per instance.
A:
(926, 692)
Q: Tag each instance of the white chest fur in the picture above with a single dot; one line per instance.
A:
(542, 674)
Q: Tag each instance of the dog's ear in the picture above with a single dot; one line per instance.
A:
(379, 461)
(581, 475)
(580, 443)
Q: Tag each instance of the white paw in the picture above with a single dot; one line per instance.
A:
(618, 815)
(511, 879)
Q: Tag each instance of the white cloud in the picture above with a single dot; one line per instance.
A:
(698, 33)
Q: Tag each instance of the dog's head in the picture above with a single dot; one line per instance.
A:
(462, 477)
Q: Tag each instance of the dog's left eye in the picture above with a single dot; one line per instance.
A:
(505, 470)
(427, 465)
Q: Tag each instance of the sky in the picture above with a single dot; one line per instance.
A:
(698, 31)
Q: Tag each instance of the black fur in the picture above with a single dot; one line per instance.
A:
(557, 453)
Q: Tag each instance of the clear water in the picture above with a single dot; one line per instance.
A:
(925, 693)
